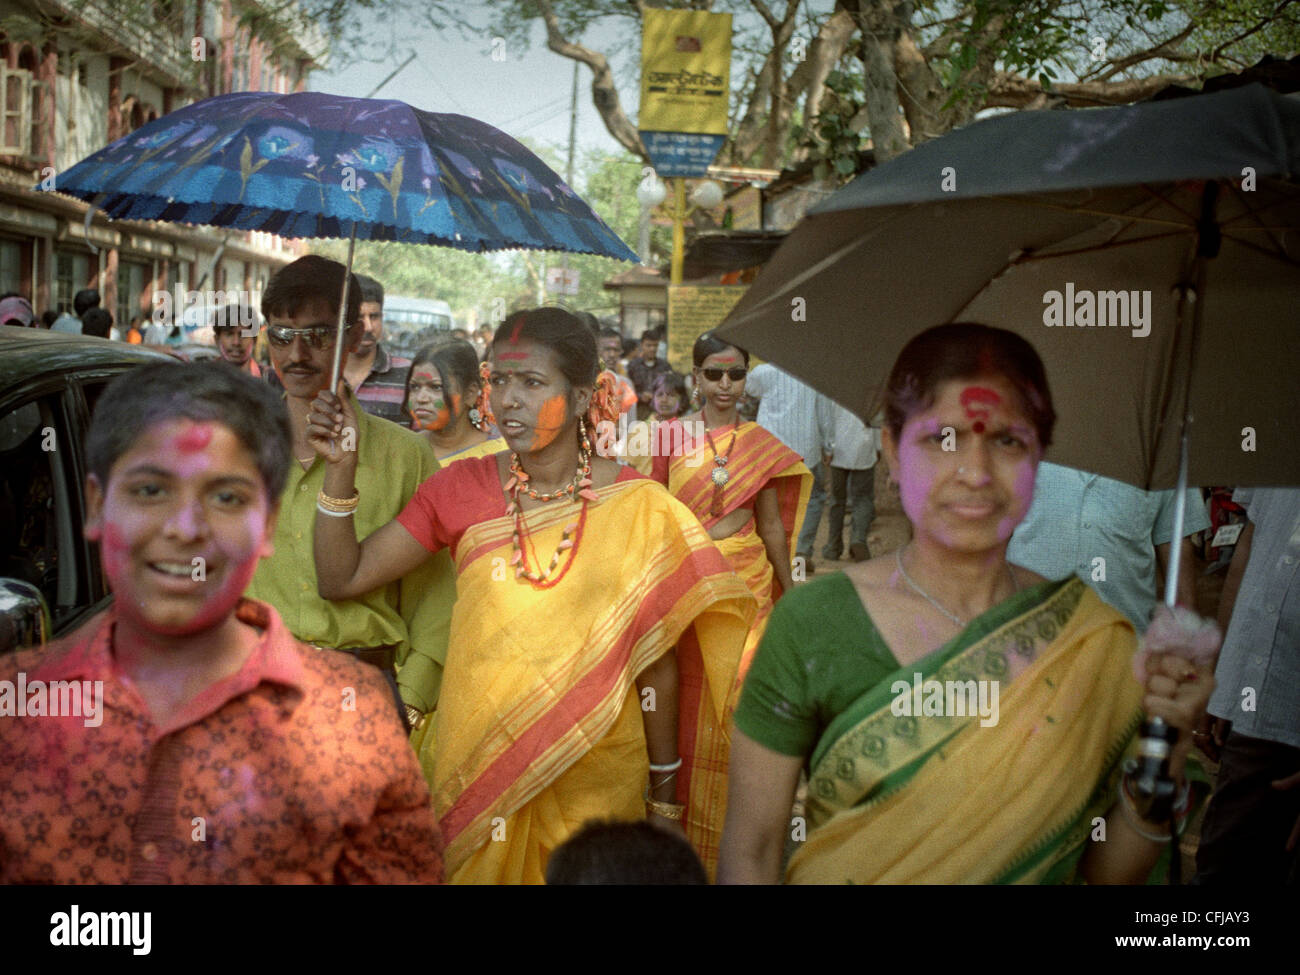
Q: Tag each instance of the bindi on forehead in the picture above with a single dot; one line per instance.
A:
(193, 438)
(978, 401)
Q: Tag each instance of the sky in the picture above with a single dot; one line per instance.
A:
(525, 93)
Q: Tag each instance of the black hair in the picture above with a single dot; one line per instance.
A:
(453, 359)
(965, 350)
(560, 331)
(610, 333)
(310, 278)
(234, 315)
(371, 290)
(200, 391)
(630, 345)
(650, 334)
(612, 852)
(709, 344)
(85, 300)
(11, 294)
(674, 382)
(97, 322)
(49, 317)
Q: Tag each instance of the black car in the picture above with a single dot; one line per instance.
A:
(49, 383)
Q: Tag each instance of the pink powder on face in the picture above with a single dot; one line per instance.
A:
(1023, 491)
(194, 436)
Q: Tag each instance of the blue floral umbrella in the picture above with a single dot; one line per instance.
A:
(318, 165)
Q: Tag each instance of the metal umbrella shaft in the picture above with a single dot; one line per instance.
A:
(340, 336)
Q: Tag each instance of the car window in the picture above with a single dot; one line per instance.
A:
(37, 521)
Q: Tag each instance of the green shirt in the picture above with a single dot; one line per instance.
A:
(413, 613)
(819, 653)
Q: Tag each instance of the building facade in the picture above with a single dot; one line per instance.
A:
(76, 75)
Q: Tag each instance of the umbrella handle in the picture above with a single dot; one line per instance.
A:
(343, 314)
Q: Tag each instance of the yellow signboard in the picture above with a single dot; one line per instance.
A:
(692, 311)
(685, 71)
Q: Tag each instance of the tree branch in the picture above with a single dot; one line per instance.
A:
(604, 92)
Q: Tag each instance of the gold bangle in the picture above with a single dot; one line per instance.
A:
(668, 810)
(339, 504)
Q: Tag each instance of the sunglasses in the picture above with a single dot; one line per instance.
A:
(715, 375)
(320, 337)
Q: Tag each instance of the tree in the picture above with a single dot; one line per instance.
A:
(899, 72)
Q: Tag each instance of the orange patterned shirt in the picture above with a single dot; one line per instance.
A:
(295, 769)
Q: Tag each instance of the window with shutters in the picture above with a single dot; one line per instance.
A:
(16, 99)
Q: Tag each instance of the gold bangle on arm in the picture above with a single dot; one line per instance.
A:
(668, 810)
(340, 505)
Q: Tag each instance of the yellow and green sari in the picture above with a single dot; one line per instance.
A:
(901, 798)
(539, 723)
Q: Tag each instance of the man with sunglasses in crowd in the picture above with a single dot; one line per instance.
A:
(402, 628)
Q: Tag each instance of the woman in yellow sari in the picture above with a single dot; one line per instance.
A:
(747, 488)
(961, 719)
(447, 402)
(592, 612)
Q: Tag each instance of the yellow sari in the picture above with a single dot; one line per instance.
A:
(539, 724)
(895, 798)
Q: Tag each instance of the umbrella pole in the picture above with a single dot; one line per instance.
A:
(343, 314)
(1180, 512)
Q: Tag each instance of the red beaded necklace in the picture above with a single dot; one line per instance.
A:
(580, 487)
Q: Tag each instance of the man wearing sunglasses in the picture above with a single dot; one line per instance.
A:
(402, 628)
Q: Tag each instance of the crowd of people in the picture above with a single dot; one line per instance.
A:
(440, 632)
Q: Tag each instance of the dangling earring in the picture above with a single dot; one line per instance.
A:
(475, 417)
(695, 397)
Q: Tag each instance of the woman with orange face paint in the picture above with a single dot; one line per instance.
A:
(961, 719)
(447, 401)
(597, 629)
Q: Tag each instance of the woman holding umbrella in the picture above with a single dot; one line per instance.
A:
(962, 720)
(593, 611)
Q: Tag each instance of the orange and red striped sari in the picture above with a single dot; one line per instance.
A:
(756, 461)
(539, 724)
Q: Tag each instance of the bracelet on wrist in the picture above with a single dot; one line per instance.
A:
(332, 513)
(668, 810)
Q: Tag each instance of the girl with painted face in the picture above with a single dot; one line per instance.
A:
(747, 488)
(961, 719)
(446, 400)
(597, 627)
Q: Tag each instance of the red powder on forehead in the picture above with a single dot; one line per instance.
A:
(726, 359)
(426, 376)
(196, 437)
(514, 332)
(982, 395)
(978, 426)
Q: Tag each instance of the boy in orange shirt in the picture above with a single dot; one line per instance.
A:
(183, 735)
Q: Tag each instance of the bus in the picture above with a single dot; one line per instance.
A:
(411, 322)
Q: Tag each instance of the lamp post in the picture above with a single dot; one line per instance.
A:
(706, 195)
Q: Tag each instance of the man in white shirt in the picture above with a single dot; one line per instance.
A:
(854, 449)
(791, 411)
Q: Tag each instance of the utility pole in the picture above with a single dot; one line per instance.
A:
(573, 138)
